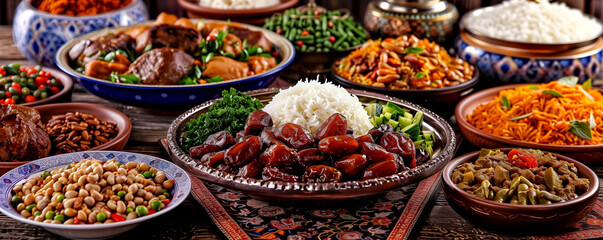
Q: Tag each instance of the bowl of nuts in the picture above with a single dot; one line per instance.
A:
(92, 194)
(74, 127)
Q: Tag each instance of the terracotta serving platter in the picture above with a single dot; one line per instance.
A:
(317, 192)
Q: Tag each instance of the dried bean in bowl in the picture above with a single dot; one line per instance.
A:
(83, 193)
(74, 132)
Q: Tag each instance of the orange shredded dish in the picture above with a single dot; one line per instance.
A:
(79, 7)
(549, 122)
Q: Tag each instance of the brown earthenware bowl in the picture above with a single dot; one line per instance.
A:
(103, 113)
(254, 16)
(588, 154)
(322, 193)
(506, 216)
(63, 96)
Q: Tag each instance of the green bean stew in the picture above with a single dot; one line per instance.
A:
(523, 176)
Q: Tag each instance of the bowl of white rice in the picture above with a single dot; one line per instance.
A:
(521, 41)
(245, 11)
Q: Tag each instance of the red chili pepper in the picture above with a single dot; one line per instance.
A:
(279, 31)
(211, 38)
(76, 220)
(305, 33)
(55, 90)
(330, 24)
(152, 211)
(523, 159)
(41, 80)
(9, 101)
(117, 218)
(300, 43)
(332, 39)
(8, 94)
(166, 202)
(30, 98)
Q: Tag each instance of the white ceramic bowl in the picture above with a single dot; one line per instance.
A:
(179, 193)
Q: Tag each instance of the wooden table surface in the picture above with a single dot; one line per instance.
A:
(189, 221)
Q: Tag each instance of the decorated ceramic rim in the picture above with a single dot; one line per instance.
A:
(461, 118)
(28, 6)
(67, 87)
(454, 88)
(282, 44)
(454, 163)
(548, 47)
(182, 184)
(236, 13)
(370, 186)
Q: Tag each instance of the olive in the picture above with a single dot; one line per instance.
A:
(16, 199)
(50, 215)
(54, 82)
(43, 94)
(45, 174)
(23, 74)
(13, 90)
(156, 205)
(25, 91)
(31, 80)
(37, 213)
(60, 217)
(16, 97)
(2, 94)
(101, 217)
(34, 75)
(15, 77)
(141, 211)
(37, 93)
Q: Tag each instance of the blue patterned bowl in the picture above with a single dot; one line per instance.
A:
(180, 191)
(180, 96)
(506, 64)
(39, 34)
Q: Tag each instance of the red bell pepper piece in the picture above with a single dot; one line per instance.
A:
(523, 159)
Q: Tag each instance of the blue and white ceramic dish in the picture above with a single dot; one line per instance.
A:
(39, 34)
(180, 191)
(179, 96)
(506, 64)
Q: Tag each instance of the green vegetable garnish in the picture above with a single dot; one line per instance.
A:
(580, 129)
(229, 113)
(553, 92)
(521, 117)
(505, 103)
(588, 84)
(416, 50)
(569, 80)
(420, 75)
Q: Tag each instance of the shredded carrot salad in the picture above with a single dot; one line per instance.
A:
(549, 122)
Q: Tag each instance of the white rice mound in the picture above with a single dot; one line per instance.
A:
(238, 4)
(310, 103)
(531, 22)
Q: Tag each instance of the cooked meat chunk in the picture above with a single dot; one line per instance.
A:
(232, 44)
(168, 35)
(88, 50)
(22, 134)
(136, 31)
(254, 38)
(261, 64)
(225, 67)
(101, 69)
(162, 66)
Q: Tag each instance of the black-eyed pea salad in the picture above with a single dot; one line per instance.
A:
(93, 192)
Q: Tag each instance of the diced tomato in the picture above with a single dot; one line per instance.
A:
(1, 101)
(275, 54)
(8, 94)
(76, 220)
(523, 159)
(210, 38)
(166, 202)
(16, 86)
(152, 211)
(31, 71)
(9, 101)
(48, 75)
(300, 43)
(55, 90)
(117, 218)
(279, 31)
(41, 86)
(2, 72)
(330, 24)
(30, 98)
(332, 39)
(305, 33)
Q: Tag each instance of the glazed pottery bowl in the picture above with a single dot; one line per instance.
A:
(254, 16)
(173, 96)
(589, 154)
(39, 34)
(450, 94)
(506, 216)
(516, 62)
(180, 192)
(444, 148)
(433, 19)
(103, 113)
(63, 96)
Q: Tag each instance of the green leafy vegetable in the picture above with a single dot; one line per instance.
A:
(229, 113)
(505, 103)
(420, 75)
(588, 84)
(147, 48)
(569, 80)
(521, 117)
(553, 92)
(214, 79)
(416, 50)
(580, 129)
(124, 78)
